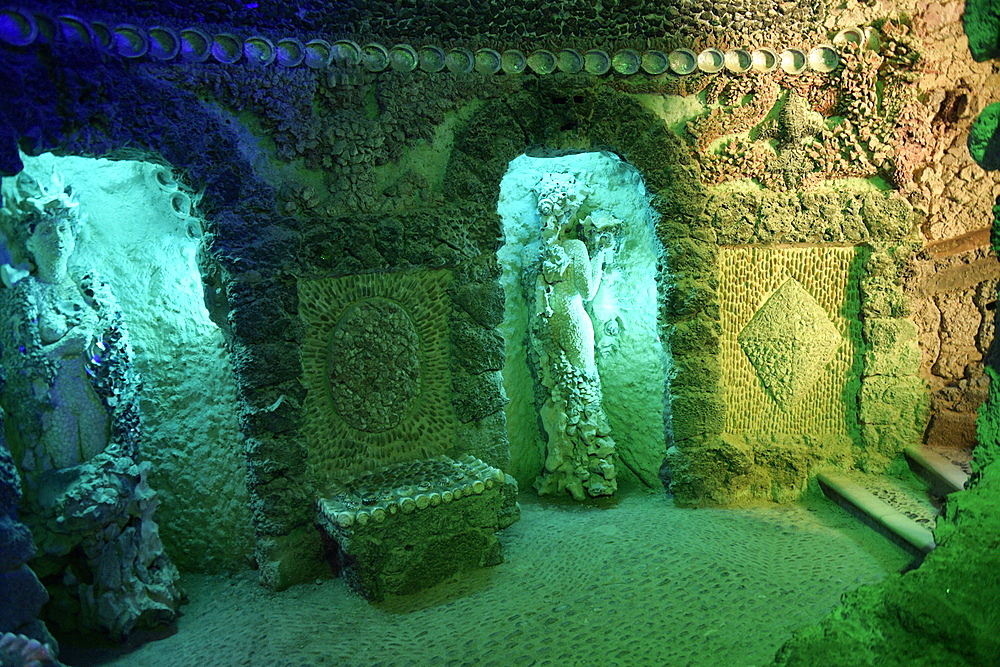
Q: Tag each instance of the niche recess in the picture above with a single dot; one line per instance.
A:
(632, 361)
(140, 233)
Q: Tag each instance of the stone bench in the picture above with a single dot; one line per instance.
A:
(409, 526)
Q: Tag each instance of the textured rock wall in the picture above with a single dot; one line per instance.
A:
(955, 302)
(942, 612)
(953, 286)
(23, 594)
(305, 181)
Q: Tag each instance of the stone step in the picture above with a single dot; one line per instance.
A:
(853, 496)
(945, 475)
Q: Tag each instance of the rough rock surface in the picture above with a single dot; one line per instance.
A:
(22, 593)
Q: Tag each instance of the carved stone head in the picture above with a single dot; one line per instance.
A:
(52, 241)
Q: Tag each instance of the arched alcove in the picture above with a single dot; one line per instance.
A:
(632, 363)
(140, 233)
(567, 119)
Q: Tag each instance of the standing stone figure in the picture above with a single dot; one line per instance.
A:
(73, 427)
(580, 453)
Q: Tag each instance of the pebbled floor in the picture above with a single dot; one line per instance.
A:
(636, 582)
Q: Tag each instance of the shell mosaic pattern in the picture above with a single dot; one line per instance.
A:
(789, 341)
(20, 28)
(426, 423)
(374, 365)
(865, 121)
(406, 488)
(752, 276)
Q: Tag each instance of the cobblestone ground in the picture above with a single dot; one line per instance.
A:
(637, 582)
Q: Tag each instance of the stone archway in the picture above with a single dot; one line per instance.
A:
(567, 119)
(622, 310)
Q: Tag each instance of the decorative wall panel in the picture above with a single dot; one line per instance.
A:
(375, 366)
(790, 339)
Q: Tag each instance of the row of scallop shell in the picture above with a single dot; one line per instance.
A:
(406, 58)
(21, 28)
(348, 516)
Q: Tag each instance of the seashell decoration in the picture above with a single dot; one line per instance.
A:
(487, 61)
(374, 57)
(226, 48)
(180, 203)
(655, 62)
(711, 60)
(849, 36)
(569, 61)
(164, 43)
(764, 60)
(72, 29)
(319, 53)
(346, 52)
(196, 45)
(460, 61)
(793, 61)
(160, 176)
(513, 62)
(596, 62)
(48, 28)
(130, 41)
(432, 58)
(259, 50)
(291, 52)
(824, 59)
(22, 28)
(872, 39)
(683, 61)
(403, 58)
(17, 28)
(626, 61)
(738, 61)
(542, 62)
(104, 38)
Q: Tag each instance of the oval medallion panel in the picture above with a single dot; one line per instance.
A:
(373, 365)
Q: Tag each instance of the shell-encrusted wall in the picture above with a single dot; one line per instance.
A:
(790, 337)
(375, 365)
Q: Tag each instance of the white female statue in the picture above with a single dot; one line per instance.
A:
(72, 398)
(53, 325)
(580, 453)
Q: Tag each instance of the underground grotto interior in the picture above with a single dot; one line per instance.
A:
(432, 332)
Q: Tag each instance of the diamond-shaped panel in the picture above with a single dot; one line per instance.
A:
(789, 341)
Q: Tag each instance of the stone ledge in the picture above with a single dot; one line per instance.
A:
(853, 497)
(406, 527)
(944, 476)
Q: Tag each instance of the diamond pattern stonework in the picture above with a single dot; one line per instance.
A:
(789, 341)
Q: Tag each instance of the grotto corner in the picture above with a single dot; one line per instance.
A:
(946, 611)
(351, 242)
